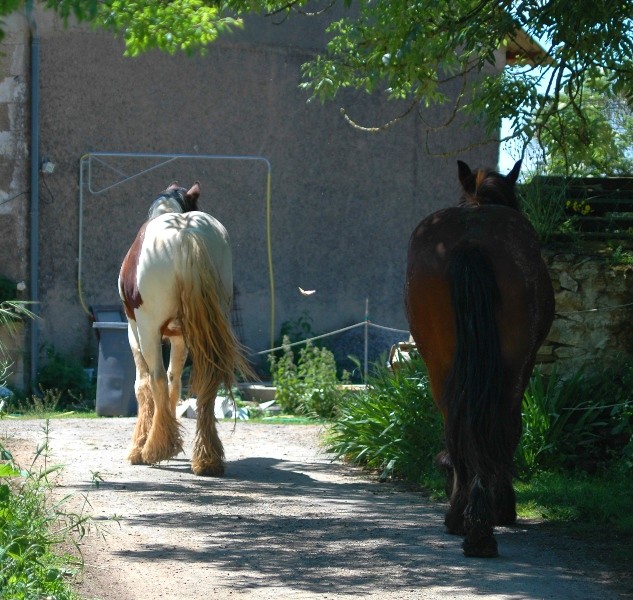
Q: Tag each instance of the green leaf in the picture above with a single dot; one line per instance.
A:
(7, 470)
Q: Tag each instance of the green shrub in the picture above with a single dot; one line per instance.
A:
(310, 386)
(67, 376)
(392, 426)
(582, 420)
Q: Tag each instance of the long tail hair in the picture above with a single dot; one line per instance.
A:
(204, 314)
(476, 429)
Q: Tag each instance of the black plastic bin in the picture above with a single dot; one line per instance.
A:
(115, 371)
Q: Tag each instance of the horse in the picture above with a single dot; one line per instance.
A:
(479, 302)
(176, 282)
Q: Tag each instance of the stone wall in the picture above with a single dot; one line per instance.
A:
(594, 304)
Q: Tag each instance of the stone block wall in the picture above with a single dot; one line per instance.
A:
(594, 309)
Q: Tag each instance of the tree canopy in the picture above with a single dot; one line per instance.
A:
(408, 49)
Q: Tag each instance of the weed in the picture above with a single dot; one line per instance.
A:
(310, 386)
(96, 478)
(32, 527)
(619, 255)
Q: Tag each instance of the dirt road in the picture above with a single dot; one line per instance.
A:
(285, 523)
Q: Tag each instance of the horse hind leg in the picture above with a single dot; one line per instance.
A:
(505, 501)
(164, 440)
(144, 400)
(177, 358)
(479, 522)
(143, 420)
(208, 452)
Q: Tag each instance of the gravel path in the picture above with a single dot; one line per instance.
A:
(285, 523)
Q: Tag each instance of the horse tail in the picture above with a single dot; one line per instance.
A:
(204, 311)
(475, 428)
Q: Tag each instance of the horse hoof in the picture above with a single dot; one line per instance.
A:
(151, 456)
(506, 520)
(208, 469)
(482, 548)
(454, 524)
(135, 457)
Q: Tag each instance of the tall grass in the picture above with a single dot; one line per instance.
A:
(544, 206)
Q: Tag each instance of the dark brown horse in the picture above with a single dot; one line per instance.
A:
(479, 302)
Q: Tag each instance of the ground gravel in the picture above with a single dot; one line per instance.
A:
(285, 522)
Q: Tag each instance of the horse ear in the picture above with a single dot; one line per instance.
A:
(513, 175)
(464, 173)
(193, 194)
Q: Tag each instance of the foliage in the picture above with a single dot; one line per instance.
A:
(597, 141)
(393, 426)
(177, 25)
(297, 329)
(12, 311)
(32, 527)
(413, 51)
(66, 376)
(309, 386)
(579, 421)
(617, 254)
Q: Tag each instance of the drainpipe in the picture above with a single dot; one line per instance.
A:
(35, 187)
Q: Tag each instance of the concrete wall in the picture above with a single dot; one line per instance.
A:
(344, 202)
(14, 150)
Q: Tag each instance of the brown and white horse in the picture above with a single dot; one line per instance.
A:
(176, 282)
(479, 302)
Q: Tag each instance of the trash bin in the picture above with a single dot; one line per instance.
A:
(115, 371)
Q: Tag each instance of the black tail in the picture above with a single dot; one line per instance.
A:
(475, 427)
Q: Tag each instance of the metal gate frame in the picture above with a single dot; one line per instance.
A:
(86, 181)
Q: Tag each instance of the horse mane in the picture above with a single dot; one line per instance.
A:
(175, 199)
(485, 186)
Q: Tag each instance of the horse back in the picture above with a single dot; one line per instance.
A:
(150, 268)
(525, 308)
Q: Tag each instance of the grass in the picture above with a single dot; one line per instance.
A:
(51, 415)
(43, 406)
(587, 502)
(393, 429)
(590, 512)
